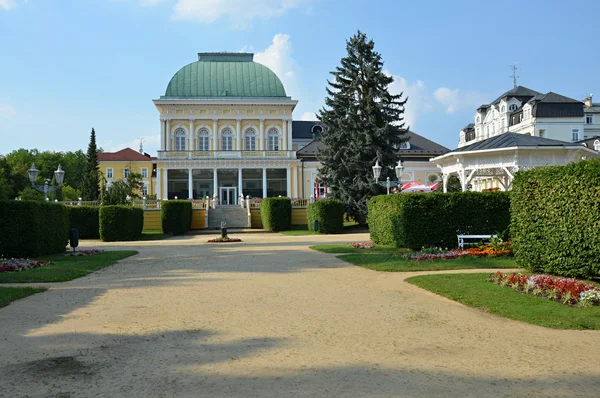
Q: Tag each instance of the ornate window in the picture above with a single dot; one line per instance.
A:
(180, 140)
(512, 107)
(250, 140)
(597, 145)
(273, 138)
(203, 140)
(503, 109)
(227, 140)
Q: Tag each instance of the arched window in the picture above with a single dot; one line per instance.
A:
(273, 138)
(180, 140)
(597, 145)
(512, 107)
(250, 140)
(503, 109)
(227, 140)
(462, 136)
(478, 119)
(203, 140)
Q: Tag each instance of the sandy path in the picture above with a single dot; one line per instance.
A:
(269, 317)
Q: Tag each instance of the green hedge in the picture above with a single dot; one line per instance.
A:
(276, 214)
(555, 215)
(119, 223)
(176, 216)
(31, 228)
(434, 219)
(86, 219)
(330, 215)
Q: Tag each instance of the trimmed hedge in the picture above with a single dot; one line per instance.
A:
(555, 215)
(176, 216)
(330, 215)
(121, 223)
(415, 220)
(31, 228)
(86, 219)
(276, 214)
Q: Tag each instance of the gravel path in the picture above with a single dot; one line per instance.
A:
(271, 318)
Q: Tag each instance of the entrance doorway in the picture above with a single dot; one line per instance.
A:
(228, 196)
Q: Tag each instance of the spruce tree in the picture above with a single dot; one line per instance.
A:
(90, 187)
(364, 125)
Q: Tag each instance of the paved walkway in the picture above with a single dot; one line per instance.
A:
(271, 318)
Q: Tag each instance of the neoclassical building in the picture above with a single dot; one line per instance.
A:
(227, 130)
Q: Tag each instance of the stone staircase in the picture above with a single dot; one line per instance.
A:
(234, 216)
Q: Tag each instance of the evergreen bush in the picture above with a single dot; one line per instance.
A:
(555, 219)
(86, 219)
(330, 215)
(276, 214)
(30, 228)
(434, 219)
(120, 223)
(176, 216)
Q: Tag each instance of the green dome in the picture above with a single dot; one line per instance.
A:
(225, 75)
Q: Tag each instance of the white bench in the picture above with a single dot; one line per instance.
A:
(461, 238)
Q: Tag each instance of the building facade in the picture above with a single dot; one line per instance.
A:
(116, 166)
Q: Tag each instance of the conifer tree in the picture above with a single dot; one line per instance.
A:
(90, 187)
(364, 125)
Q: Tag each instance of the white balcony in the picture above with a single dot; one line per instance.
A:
(200, 155)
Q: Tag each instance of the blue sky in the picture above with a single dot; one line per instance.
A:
(67, 66)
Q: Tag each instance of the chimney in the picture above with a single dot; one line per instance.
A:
(588, 101)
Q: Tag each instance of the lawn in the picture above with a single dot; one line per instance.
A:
(394, 263)
(65, 268)
(475, 291)
(10, 294)
(345, 248)
(350, 227)
(153, 234)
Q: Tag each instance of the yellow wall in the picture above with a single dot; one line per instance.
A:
(299, 217)
(152, 219)
(198, 219)
(134, 167)
(255, 218)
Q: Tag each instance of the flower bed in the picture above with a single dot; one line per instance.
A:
(225, 239)
(428, 255)
(20, 264)
(90, 252)
(501, 249)
(362, 245)
(437, 253)
(567, 291)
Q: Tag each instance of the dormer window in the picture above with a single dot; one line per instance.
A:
(512, 107)
(503, 108)
(597, 145)
(478, 119)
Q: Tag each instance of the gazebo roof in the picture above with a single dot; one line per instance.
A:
(512, 140)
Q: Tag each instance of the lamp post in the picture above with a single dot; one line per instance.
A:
(389, 183)
(59, 176)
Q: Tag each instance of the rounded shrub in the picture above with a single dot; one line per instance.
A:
(86, 219)
(329, 213)
(276, 214)
(176, 216)
(32, 228)
(120, 223)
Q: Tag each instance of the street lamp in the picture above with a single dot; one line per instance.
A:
(389, 183)
(59, 176)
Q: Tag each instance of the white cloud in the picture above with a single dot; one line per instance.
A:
(419, 99)
(309, 116)
(278, 58)
(150, 3)
(7, 4)
(239, 12)
(6, 110)
(454, 99)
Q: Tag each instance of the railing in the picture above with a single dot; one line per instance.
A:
(81, 203)
(298, 202)
(199, 155)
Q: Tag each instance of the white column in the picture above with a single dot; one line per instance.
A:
(261, 146)
(289, 182)
(239, 135)
(215, 136)
(168, 136)
(445, 182)
(162, 134)
(192, 143)
(190, 184)
(240, 182)
(158, 191)
(284, 136)
(264, 182)
(289, 137)
(216, 188)
(166, 184)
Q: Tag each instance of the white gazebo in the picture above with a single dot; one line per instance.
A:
(492, 163)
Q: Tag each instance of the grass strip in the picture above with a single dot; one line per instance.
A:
(474, 290)
(345, 248)
(66, 268)
(10, 294)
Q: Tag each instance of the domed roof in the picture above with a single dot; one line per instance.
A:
(225, 75)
